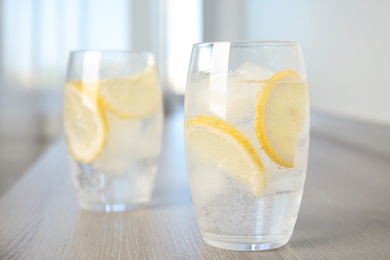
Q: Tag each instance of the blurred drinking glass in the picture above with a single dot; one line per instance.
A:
(113, 127)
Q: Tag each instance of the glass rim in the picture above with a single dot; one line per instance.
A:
(254, 43)
(103, 51)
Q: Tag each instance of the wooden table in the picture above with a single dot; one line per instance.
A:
(345, 213)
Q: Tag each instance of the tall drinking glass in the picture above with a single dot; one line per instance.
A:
(246, 140)
(113, 127)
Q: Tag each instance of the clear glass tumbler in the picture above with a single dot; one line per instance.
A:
(247, 141)
(113, 123)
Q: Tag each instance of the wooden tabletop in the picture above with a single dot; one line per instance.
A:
(345, 212)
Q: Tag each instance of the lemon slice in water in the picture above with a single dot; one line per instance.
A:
(85, 125)
(280, 111)
(135, 96)
(220, 143)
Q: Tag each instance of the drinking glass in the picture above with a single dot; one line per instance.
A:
(246, 141)
(113, 127)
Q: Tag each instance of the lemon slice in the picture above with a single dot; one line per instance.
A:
(84, 124)
(89, 89)
(135, 96)
(222, 144)
(280, 111)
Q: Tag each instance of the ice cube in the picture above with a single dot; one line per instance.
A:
(252, 71)
(244, 85)
(121, 147)
(198, 96)
(206, 180)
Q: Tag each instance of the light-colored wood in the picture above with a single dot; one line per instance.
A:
(345, 212)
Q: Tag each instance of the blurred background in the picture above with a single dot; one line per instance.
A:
(345, 43)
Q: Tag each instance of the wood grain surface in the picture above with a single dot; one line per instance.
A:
(345, 213)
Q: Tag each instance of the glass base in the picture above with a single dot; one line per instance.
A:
(245, 244)
(100, 191)
(118, 207)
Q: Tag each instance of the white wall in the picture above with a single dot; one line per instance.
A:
(346, 46)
